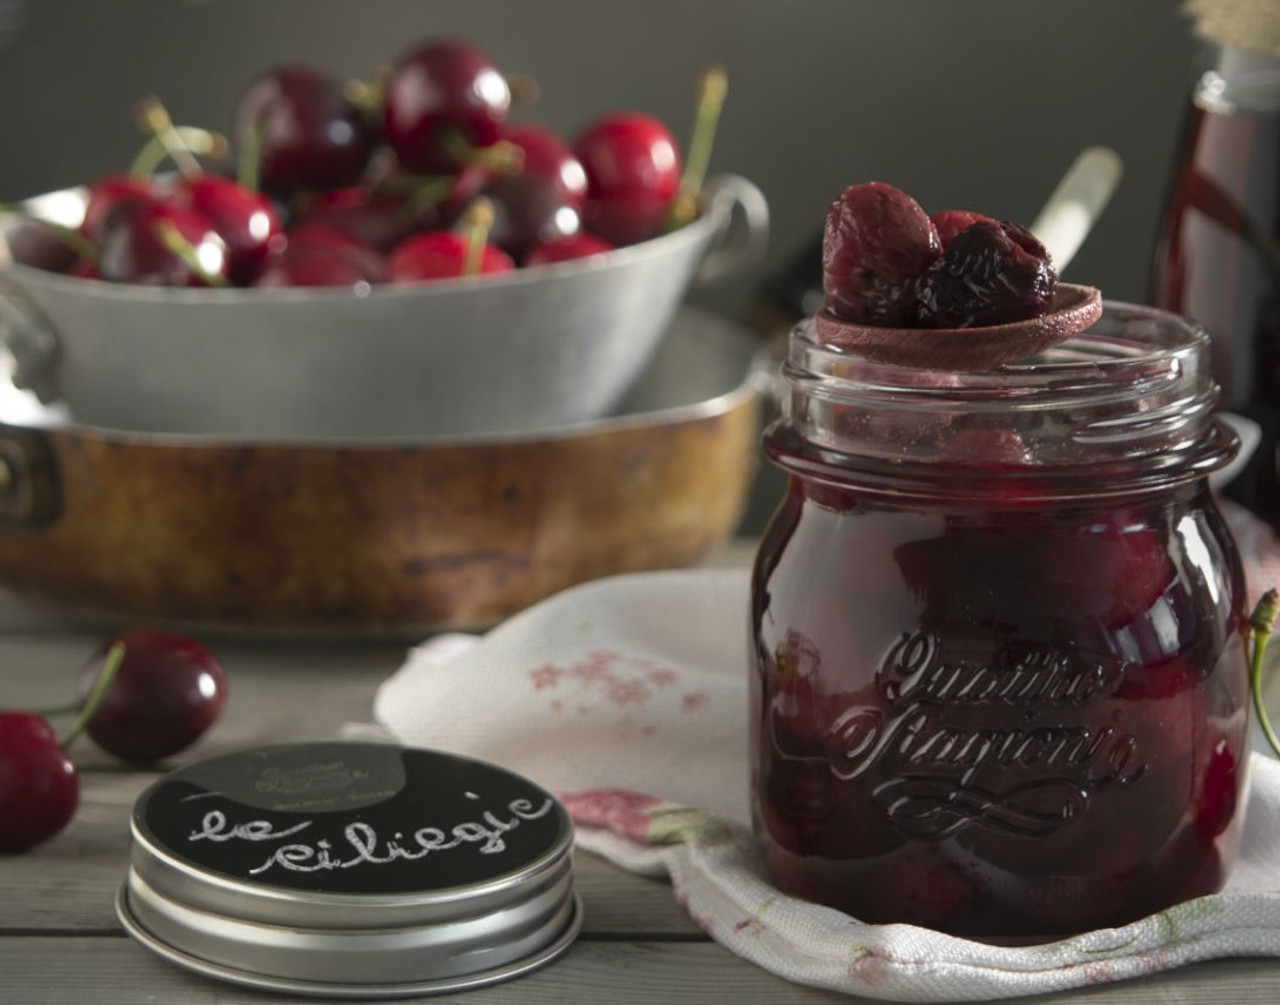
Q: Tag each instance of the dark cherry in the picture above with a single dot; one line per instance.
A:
(876, 243)
(442, 254)
(106, 194)
(949, 222)
(321, 256)
(444, 100)
(377, 222)
(991, 273)
(134, 248)
(633, 170)
(311, 135)
(39, 785)
(565, 249)
(529, 209)
(544, 153)
(168, 690)
(246, 220)
(37, 244)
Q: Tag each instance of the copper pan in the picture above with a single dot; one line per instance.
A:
(380, 538)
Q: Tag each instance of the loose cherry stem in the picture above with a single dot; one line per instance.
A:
(1261, 624)
(115, 656)
(712, 89)
(154, 118)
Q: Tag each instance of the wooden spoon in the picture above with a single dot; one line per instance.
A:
(1073, 310)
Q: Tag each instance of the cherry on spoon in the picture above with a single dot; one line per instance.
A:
(1074, 309)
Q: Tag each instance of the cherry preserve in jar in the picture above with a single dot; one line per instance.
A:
(999, 637)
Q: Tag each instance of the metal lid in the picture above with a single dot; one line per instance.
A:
(351, 870)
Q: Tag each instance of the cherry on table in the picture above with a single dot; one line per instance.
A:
(39, 784)
(444, 101)
(310, 134)
(167, 691)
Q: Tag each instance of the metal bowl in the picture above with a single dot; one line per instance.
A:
(376, 538)
(535, 349)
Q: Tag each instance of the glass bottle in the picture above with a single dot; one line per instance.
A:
(1218, 255)
(999, 684)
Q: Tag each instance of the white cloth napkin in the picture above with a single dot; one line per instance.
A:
(627, 697)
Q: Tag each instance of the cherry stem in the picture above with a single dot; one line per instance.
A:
(524, 88)
(249, 161)
(1261, 624)
(110, 665)
(171, 238)
(712, 89)
(153, 117)
(430, 191)
(200, 142)
(476, 222)
(503, 156)
(368, 95)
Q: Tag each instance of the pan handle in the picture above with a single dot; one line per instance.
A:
(741, 215)
(29, 486)
(29, 340)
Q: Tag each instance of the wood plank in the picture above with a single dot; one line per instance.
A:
(115, 971)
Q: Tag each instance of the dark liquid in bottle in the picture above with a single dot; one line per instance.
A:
(1218, 262)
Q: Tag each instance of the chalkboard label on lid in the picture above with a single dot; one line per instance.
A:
(353, 818)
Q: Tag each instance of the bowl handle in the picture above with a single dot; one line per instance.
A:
(30, 492)
(30, 341)
(741, 216)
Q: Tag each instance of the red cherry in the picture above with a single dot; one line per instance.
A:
(245, 219)
(135, 248)
(546, 154)
(442, 254)
(373, 221)
(564, 249)
(633, 170)
(320, 256)
(443, 99)
(529, 208)
(109, 192)
(168, 690)
(876, 243)
(39, 785)
(311, 135)
(949, 222)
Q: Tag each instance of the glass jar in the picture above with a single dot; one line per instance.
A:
(1218, 255)
(999, 637)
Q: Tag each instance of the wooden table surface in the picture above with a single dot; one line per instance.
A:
(60, 941)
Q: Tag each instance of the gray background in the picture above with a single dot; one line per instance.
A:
(963, 103)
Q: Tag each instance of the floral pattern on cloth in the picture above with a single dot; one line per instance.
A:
(719, 880)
